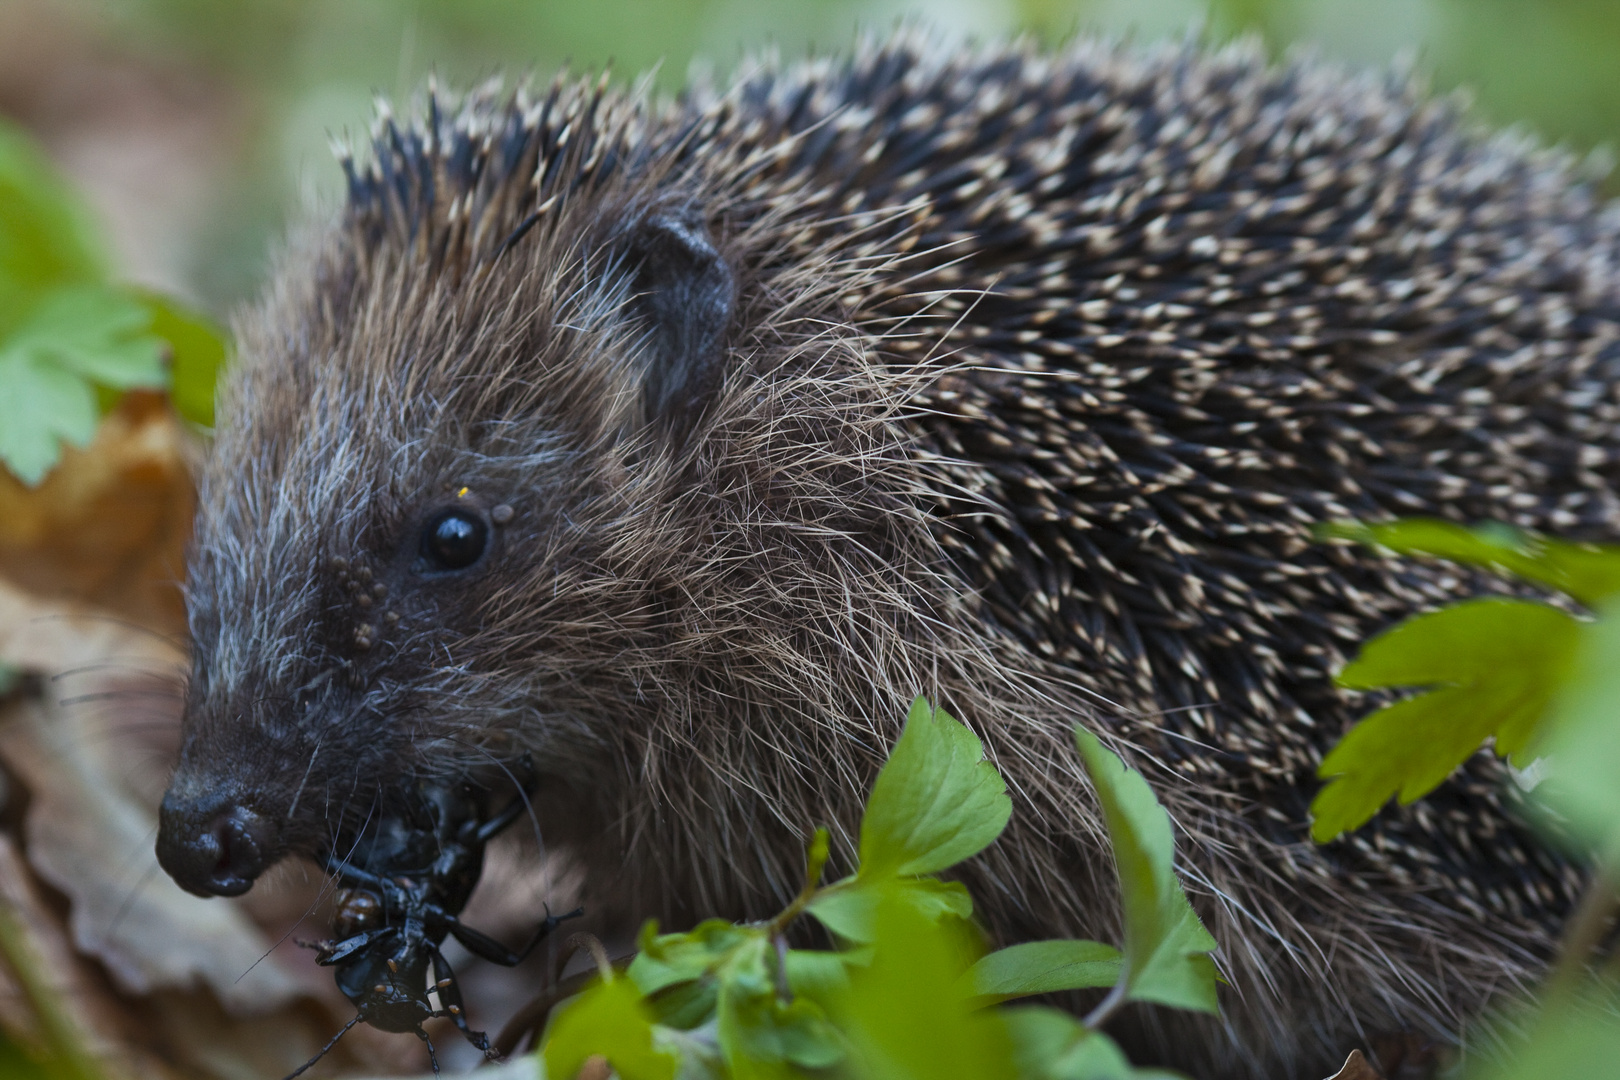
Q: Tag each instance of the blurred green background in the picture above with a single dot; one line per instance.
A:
(201, 128)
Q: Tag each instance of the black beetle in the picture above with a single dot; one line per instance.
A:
(404, 885)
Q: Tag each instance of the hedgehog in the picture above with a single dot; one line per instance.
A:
(676, 444)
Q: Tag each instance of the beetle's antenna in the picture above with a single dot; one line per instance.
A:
(325, 1048)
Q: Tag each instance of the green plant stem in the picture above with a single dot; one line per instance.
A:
(63, 1040)
(1584, 932)
(1110, 1004)
(816, 862)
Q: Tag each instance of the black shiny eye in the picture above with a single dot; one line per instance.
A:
(454, 540)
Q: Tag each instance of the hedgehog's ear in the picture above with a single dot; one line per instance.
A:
(683, 296)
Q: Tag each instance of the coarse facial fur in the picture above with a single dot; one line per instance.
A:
(1012, 379)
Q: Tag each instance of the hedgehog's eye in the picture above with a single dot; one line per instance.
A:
(454, 540)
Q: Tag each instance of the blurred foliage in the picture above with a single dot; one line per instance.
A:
(1536, 683)
(71, 341)
(309, 69)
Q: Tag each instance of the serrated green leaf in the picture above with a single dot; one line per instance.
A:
(906, 1015)
(1166, 948)
(608, 1019)
(1496, 665)
(848, 908)
(1584, 741)
(197, 354)
(936, 802)
(1586, 572)
(97, 334)
(1052, 1045)
(71, 339)
(44, 407)
(1042, 967)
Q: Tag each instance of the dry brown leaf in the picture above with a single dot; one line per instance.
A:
(109, 524)
(90, 825)
(1357, 1067)
(178, 979)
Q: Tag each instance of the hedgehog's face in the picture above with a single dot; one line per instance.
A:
(428, 548)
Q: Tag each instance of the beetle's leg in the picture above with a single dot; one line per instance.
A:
(450, 997)
(433, 1059)
(356, 875)
(302, 1068)
(481, 944)
(348, 946)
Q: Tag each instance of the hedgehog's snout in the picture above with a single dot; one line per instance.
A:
(211, 846)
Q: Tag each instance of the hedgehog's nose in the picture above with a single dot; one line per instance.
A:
(211, 851)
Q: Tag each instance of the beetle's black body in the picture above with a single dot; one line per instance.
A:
(405, 885)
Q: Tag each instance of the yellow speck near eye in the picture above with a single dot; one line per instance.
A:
(462, 494)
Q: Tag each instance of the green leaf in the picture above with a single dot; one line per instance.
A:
(906, 1014)
(728, 971)
(1571, 1038)
(1496, 664)
(1052, 1045)
(1586, 572)
(608, 1019)
(819, 975)
(759, 1028)
(197, 354)
(849, 907)
(71, 339)
(1584, 741)
(667, 959)
(936, 802)
(1166, 947)
(45, 406)
(46, 239)
(1041, 967)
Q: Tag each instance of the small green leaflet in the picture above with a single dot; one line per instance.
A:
(936, 802)
(1584, 741)
(72, 340)
(847, 908)
(1495, 665)
(1166, 947)
(1585, 572)
(906, 1014)
(1042, 967)
(1052, 1045)
(667, 959)
(611, 1020)
(729, 970)
(760, 1034)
